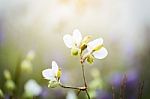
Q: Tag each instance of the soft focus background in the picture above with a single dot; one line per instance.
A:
(38, 26)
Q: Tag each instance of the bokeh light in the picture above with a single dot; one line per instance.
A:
(39, 26)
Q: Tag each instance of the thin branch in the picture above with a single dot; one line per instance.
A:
(87, 94)
(83, 73)
(70, 87)
(78, 92)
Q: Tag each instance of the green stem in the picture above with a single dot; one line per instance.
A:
(83, 73)
(70, 87)
(84, 79)
(87, 94)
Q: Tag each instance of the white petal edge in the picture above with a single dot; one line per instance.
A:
(54, 67)
(91, 45)
(68, 40)
(77, 37)
(48, 74)
(100, 54)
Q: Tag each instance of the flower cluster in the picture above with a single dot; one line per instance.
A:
(88, 50)
(94, 49)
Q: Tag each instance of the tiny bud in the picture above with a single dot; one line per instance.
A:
(26, 66)
(74, 51)
(59, 73)
(90, 59)
(84, 42)
(1, 94)
(53, 84)
(10, 85)
(7, 75)
(83, 46)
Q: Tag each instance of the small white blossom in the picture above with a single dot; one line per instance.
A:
(32, 88)
(74, 40)
(97, 49)
(52, 74)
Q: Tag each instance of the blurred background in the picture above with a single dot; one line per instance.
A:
(31, 37)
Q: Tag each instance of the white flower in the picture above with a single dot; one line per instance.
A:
(97, 49)
(32, 88)
(74, 40)
(52, 74)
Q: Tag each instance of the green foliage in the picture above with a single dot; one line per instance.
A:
(1, 94)
(10, 85)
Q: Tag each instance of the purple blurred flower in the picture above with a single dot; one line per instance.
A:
(44, 93)
(132, 79)
(115, 79)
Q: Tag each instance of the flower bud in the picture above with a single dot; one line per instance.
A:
(53, 84)
(90, 59)
(26, 66)
(7, 75)
(59, 73)
(84, 42)
(74, 51)
(10, 85)
(83, 46)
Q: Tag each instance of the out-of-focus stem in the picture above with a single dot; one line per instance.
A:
(17, 76)
(70, 87)
(113, 92)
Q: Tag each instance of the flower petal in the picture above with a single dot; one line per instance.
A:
(91, 45)
(54, 67)
(77, 37)
(100, 54)
(68, 40)
(48, 74)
